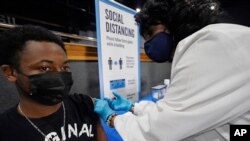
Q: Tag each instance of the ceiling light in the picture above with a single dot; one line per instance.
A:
(138, 9)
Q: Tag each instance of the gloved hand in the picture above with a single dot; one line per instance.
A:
(120, 103)
(102, 109)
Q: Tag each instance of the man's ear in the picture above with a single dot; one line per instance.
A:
(9, 73)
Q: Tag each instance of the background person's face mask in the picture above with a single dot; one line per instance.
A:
(159, 48)
(50, 88)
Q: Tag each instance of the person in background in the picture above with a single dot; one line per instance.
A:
(210, 75)
(35, 60)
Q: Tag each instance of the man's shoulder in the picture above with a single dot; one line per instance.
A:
(78, 95)
(81, 99)
(82, 103)
(4, 118)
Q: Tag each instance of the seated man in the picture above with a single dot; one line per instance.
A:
(36, 61)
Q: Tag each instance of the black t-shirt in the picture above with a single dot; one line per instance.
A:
(80, 125)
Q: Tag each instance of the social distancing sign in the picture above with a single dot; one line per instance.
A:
(118, 43)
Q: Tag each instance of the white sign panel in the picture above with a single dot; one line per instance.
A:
(118, 50)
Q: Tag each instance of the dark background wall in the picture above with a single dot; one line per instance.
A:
(74, 16)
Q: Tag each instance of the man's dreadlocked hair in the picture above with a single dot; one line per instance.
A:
(181, 17)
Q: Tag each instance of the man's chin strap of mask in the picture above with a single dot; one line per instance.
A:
(160, 47)
(48, 88)
(21, 90)
(19, 85)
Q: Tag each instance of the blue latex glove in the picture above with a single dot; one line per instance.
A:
(120, 103)
(102, 109)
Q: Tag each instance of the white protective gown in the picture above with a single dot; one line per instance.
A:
(210, 88)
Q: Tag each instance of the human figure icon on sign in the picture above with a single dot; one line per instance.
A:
(110, 62)
(120, 63)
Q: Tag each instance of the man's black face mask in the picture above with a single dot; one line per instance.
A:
(49, 88)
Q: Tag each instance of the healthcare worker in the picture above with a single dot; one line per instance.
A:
(210, 76)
